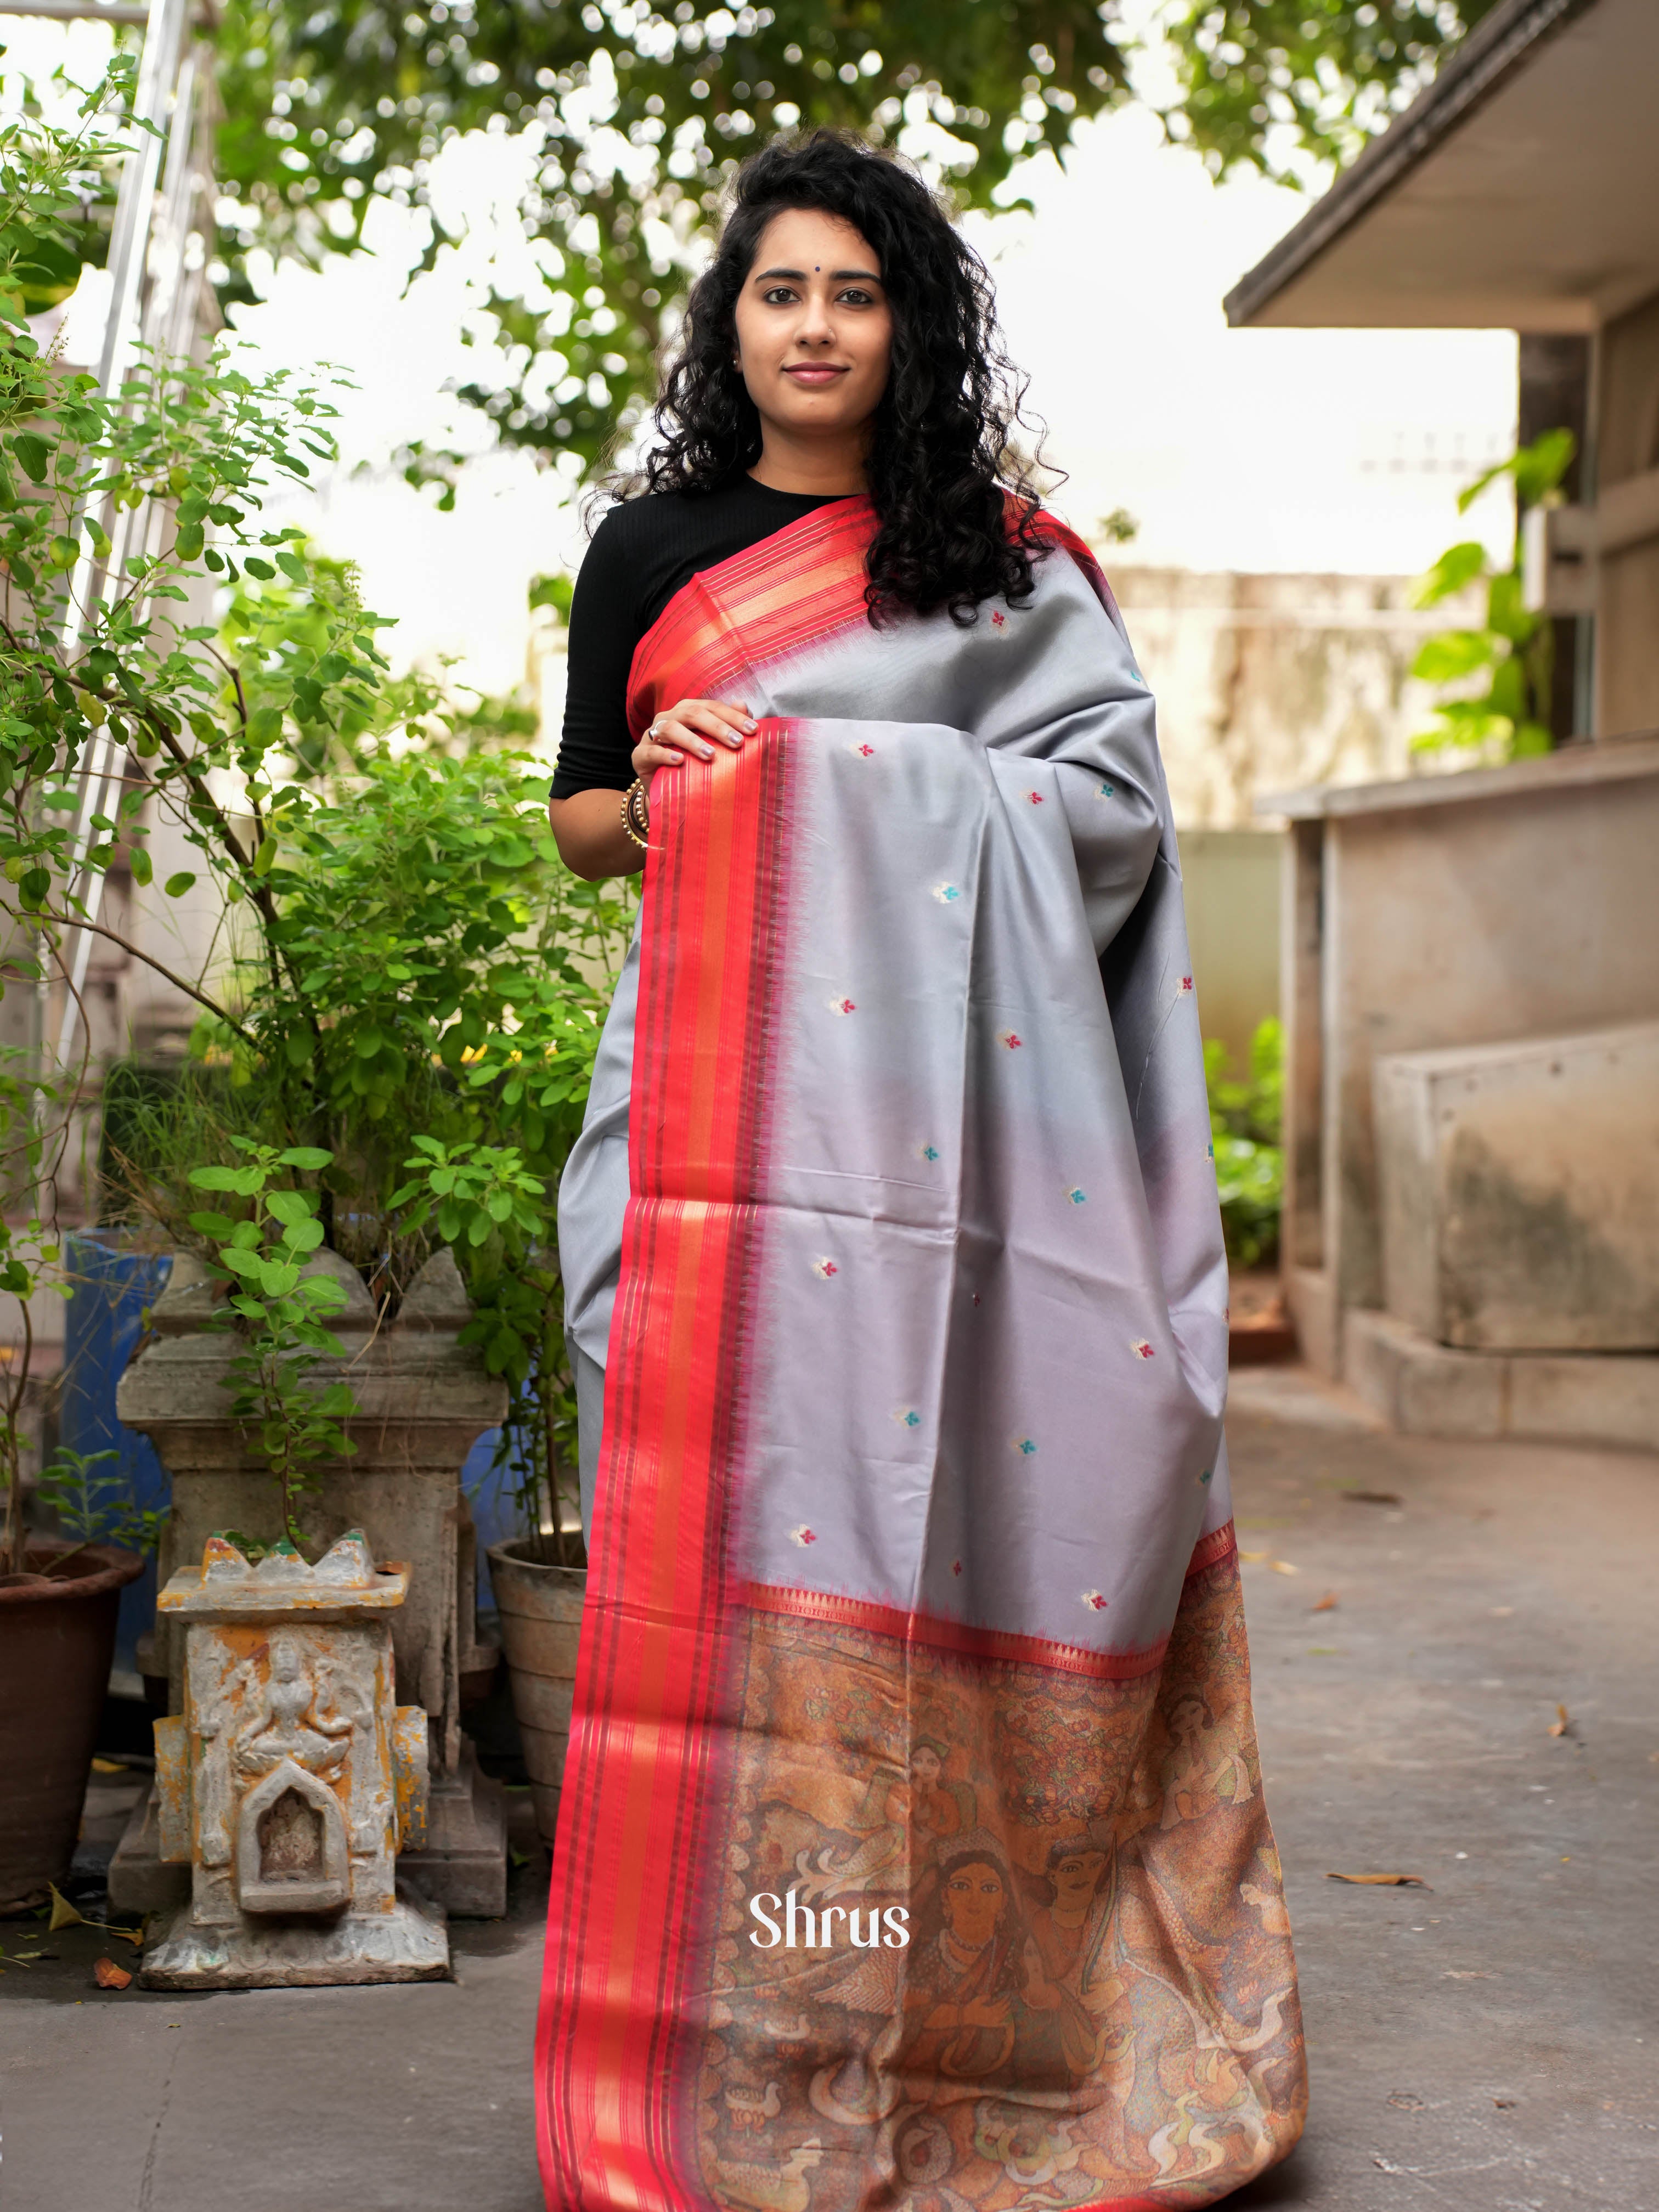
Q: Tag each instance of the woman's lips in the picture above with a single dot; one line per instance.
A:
(817, 374)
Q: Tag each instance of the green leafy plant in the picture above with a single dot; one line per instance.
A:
(404, 980)
(58, 188)
(1246, 1124)
(94, 1506)
(261, 1256)
(1511, 653)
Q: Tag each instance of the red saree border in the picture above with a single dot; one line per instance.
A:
(1209, 1551)
(794, 589)
(939, 1634)
(626, 1872)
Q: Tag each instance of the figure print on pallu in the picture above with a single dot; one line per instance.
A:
(891, 1242)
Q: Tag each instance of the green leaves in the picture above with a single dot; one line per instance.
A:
(33, 455)
(244, 1180)
(261, 1257)
(176, 886)
(1453, 655)
(1456, 567)
(1515, 648)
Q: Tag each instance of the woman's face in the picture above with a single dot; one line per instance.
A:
(814, 329)
(973, 1904)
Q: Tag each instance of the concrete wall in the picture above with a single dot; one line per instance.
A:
(1520, 1191)
(1268, 682)
(1231, 878)
(1500, 903)
(1626, 446)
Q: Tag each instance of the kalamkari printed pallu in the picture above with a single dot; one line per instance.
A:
(912, 1850)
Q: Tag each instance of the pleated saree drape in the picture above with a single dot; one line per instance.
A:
(912, 1850)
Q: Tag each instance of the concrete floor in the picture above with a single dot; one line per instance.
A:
(1486, 2043)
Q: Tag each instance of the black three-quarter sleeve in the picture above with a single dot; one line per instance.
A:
(595, 751)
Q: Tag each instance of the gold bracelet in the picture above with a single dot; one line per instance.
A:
(628, 814)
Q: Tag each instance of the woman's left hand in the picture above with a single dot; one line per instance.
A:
(686, 727)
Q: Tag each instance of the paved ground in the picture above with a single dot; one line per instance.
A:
(1487, 2044)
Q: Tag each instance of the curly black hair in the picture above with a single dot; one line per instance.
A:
(956, 508)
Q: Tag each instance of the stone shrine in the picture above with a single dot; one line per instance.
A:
(292, 1779)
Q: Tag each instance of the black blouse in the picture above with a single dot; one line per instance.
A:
(642, 552)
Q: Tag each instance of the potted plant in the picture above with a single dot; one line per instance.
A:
(400, 1005)
(58, 1598)
(540, 1582)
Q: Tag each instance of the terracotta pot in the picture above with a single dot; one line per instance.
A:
(541, 1614)
(56, 1639)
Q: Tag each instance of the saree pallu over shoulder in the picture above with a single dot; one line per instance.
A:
(912, 1850)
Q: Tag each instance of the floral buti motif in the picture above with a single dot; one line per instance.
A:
(1010, 1040)
(947, 894)
(1096, 1600)
(842, 1005)
(803, 1536)
(1141, 1349)
(823, 1269)
(1076, 1195)
(862, 752)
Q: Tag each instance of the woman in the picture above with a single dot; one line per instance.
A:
(895, 1285)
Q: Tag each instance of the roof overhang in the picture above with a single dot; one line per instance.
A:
(1520, 192)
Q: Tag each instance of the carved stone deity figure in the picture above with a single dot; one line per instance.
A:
(292, 1779)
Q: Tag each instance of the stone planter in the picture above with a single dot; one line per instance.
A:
(424, 1399)
(541, 1614)
(56, 1640)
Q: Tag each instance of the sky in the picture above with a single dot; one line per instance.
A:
(1253, 450)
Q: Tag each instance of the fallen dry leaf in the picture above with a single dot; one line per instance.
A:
(1382, 1881)
(107, 1766)
(109, 1975)
(1282, 1567)
(64, 1915)
(1254, 1557)
(1562, 1722)
(1327, 1604)
(1375, 1497)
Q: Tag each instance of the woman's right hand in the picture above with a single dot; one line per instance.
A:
(688, 728)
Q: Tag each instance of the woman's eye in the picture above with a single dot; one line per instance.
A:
(854, 298)
(778, 296)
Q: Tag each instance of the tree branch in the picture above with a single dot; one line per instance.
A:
(74, 921)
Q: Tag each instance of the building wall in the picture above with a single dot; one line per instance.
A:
(1520, 903)
(1271, 683)
(1231, 879)
(1627, 446)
